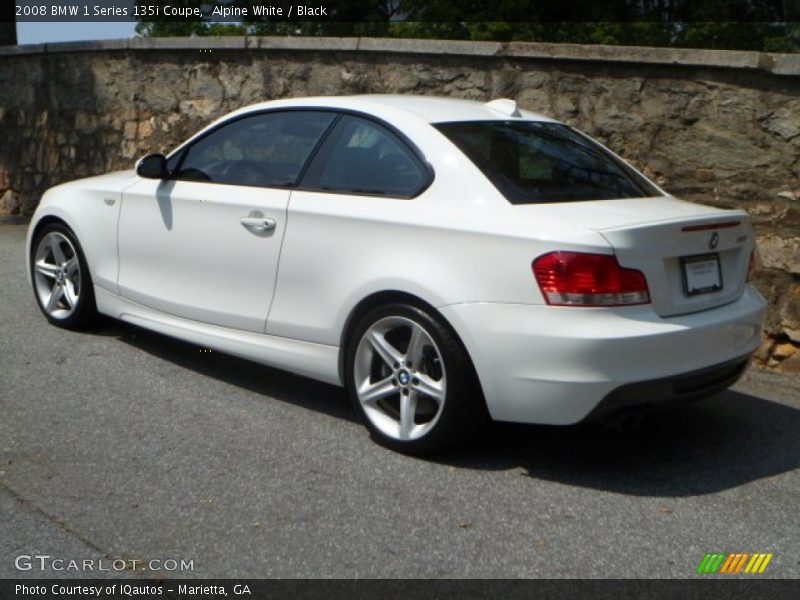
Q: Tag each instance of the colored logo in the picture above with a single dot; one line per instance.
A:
(735, 563)
(404, 377)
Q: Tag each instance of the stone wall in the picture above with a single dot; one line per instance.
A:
(717, 127)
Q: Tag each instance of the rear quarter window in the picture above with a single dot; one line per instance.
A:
(361, 156)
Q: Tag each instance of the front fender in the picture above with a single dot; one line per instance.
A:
(91, 209)
(44, 213)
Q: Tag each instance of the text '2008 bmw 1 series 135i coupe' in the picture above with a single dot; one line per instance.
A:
(446, 261)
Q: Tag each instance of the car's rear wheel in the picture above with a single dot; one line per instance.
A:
(61, 280)
(412, 381)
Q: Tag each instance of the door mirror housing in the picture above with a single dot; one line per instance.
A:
(152, 166)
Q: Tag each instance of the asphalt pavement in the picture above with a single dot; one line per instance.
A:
(121, 444)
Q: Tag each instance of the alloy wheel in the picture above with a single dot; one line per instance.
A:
(400, 378)
(57, 275)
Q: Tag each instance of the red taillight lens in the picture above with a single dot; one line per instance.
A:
(578, 279)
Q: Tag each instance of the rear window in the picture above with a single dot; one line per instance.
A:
(531, 162)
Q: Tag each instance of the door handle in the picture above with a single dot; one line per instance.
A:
(258, 223)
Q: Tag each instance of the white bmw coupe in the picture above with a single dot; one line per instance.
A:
(444, 260)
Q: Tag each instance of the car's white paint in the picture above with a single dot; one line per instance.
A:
(183, 264)
(553, 364)
(91, 209)
(184, 251)
(304, 358)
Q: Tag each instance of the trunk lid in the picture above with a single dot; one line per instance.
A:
(694, 259)
(657, 235)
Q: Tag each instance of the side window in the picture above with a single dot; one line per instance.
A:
(363, 157)
(266, 150)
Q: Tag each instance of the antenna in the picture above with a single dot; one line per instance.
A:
(505, 106)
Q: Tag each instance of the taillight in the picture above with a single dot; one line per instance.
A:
(579, 279)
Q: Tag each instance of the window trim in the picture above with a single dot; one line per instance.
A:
(430, 174)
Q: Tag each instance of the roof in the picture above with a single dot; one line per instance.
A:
(431, 109)
(436, 109)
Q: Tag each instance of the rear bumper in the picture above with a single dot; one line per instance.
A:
(670, 391)
(558, 365)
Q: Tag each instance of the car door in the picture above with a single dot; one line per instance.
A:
(353, 222)
(204, 243)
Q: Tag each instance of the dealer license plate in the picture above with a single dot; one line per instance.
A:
(701, 274)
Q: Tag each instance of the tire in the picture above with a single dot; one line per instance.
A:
(415, 400)
(58, 267)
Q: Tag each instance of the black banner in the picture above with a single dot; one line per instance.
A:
(702, 588)
(439, 11)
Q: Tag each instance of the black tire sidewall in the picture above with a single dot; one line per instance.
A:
(463, 409)
(86, 311)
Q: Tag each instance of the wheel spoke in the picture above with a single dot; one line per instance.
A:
(416, 345)
(430, 387)
(46, 269)
(69, 294)
(72, 266)
(408, 409)
(390, 355)
(58, 253)
(370, 393)
(55, 296)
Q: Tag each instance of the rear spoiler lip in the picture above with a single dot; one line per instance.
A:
(708, 221)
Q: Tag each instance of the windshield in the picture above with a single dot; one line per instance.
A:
(531, 162)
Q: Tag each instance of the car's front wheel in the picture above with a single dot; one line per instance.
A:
(412, 381)
(61, 280)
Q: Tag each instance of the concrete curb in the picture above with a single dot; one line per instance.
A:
(776, 64)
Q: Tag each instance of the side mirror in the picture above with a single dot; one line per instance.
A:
(152, 166)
